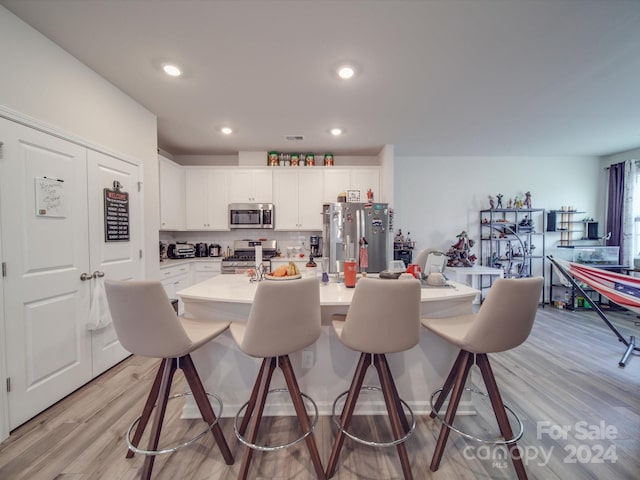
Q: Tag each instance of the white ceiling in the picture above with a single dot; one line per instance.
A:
(437, 77)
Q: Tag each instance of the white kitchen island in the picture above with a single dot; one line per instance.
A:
(329, 365)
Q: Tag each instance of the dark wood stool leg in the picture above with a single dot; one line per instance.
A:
(163, 398)
(254, 425)
(392, 400)
(347, 411)
(448, 384)
(461, 376)
(254, 396)
(500, 412)
(201, 398)
(396, 397)
(148, 407)
(301, 412)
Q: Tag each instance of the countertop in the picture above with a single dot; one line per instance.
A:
(238, 289)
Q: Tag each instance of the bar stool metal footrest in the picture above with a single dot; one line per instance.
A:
(181, 445)
(266, 448)
(515, 438)
(336, 421)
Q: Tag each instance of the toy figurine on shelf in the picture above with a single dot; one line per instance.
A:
(510, 203)
(527, 199)
(460, 252)
(492, 204)
(499, 197)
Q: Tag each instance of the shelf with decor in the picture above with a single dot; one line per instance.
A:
(570, 229)
(513, 240)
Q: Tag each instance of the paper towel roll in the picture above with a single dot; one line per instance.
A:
(258, 256)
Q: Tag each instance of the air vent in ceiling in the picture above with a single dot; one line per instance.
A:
(294, 138)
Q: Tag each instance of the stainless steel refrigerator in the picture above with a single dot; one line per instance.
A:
(357, 231)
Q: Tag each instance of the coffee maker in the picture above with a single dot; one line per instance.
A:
(315, 245)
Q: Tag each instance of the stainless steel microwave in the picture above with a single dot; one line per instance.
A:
(251, 215)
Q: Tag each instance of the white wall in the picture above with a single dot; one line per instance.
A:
(438, 197)
(41, 81)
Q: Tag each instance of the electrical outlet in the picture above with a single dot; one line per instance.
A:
(307, 358)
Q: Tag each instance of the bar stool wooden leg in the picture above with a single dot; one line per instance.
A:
(148, 407)
(347, 411)
(501, 414)
(392, 400)
(263, 389)
(163, 398)
(303, 418)
(461, 376)
(448, 384)
(254, 395)
(202, 400)
(399, 409)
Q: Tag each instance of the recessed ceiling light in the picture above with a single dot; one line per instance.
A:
(172, 70)
(226, 130)
(336, 131)
(346, 72)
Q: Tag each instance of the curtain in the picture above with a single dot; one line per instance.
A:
(615, 204)
(628, 221)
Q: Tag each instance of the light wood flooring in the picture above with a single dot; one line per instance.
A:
(566, 374)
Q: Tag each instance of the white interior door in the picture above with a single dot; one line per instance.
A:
(117, 259)
(43, 208)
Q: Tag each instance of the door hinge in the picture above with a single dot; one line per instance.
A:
(139, 186)
(1, 145)
(4, 269)
(140, 253)
(8, 384)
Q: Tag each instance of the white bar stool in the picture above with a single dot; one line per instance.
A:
(384, 317)
(503, 322)
(284, 318)
(147, 325)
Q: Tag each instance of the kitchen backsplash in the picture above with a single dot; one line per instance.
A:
(224, 239)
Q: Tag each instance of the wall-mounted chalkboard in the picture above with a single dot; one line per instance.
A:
(116, 214)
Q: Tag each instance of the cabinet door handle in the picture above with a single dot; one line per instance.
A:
(98, 274)
(86, 276)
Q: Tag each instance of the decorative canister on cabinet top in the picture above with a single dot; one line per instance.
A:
(273, 159)
(328, 159)
(295, 159)
(310, 159)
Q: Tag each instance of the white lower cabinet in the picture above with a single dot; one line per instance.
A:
(175, 278)
(206, 270)
(298, 199)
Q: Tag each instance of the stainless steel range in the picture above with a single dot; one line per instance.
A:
(244, 255)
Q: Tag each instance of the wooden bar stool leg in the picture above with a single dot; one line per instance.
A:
(163, 398)
(254, 425)
(448, 384)
(254, 395)
(461, 376)
(396, 397)
(301, 412)
(148, 407)
(390, 397)
(501, 414)
(347, 411)
(202, 400)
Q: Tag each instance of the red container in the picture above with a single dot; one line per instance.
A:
(350, 270)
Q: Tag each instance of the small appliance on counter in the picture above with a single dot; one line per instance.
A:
(315, 246)
(215, 250)
(163, 251)
(202, 250)
(181, 250)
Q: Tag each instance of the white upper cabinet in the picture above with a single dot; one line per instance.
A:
(250, 186)
(298, 198)
(206, 199)
(172, 195)
(338, 180)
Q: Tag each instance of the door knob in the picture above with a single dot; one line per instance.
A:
(86, 276)
(98, 274)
